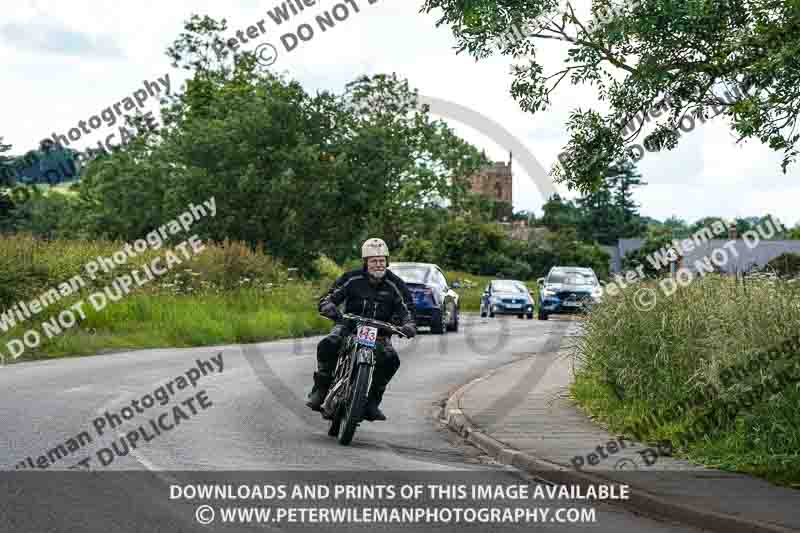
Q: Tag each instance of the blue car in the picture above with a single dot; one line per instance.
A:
(436, 303)
(506, 297)
(567, 290)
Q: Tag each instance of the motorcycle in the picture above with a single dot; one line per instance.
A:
(346, 400)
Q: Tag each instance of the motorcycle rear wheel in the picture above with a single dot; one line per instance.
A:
(354, 408)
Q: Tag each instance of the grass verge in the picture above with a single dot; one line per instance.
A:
(647, 369)
(159, 320)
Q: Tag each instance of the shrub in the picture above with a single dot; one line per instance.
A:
(563, 248)
(787, 265)
(326, 268)
(230, 264)
(418, 251)
(356, 263)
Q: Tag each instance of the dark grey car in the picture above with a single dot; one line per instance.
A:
(567, 290)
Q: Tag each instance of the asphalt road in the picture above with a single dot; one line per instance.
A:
(248, 416)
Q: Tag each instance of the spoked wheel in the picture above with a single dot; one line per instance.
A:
(336, 423)
(354, 407)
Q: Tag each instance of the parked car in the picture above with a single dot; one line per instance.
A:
(567, 290)
(507, 297)
(435, 301)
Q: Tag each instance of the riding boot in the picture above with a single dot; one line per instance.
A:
(322, 382)
(372, 411)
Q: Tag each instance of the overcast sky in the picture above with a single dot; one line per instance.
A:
(66, 61)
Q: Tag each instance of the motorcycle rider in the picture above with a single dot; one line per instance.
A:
(371, 291)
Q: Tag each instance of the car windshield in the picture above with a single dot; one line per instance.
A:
(571, 278)
(411, 274)
(507, 286)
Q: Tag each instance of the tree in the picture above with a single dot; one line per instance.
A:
(45, 213)
(564, 248)
(678, 227)
(600, 219)
(478, 208)
(709, 222)
(473, 247)
(609, 213)
(417, 251)
(668, 61)
(559, 213)
(525, 215)
(7, 194)
(747, 223)
(6, 175)
(410, 162)
(623, 177)
(656, 240)
(303, 174)
(752, 223)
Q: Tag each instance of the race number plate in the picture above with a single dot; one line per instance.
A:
(367, 335)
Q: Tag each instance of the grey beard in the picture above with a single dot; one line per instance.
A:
(378, 275)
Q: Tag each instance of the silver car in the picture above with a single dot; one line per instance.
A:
(507, 297)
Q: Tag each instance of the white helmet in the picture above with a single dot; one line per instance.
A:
(374, 247)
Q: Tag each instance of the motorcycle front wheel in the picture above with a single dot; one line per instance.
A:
(336, 423)
(354, 408)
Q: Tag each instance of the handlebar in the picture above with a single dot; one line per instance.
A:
(375, 323)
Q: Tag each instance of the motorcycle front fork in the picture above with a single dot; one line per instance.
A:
(343, 375)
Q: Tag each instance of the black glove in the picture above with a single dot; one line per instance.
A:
(328, 310)
(409, 330)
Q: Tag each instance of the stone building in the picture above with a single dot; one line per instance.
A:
(495, 181)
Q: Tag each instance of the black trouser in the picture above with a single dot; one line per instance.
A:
(386, 360)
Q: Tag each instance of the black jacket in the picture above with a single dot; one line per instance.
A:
(388, 301)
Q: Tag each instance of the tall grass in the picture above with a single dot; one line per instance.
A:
(167, 320)
(637, 366)
(226, 293)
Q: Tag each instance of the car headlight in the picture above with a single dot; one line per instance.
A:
(549, 292)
